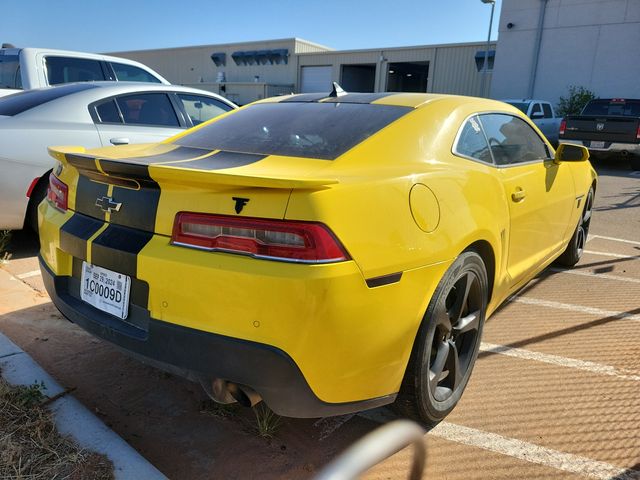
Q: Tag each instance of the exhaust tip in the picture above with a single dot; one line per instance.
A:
(222, 391)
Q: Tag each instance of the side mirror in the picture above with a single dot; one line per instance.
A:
(568, 152)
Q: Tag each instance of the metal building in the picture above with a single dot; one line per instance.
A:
(547, 45)
(248, 71)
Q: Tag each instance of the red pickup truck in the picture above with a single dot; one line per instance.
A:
(608, 128)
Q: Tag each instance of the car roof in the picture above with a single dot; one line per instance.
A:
(411, 100)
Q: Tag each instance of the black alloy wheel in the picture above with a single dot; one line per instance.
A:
(447, 343)
(574, 250)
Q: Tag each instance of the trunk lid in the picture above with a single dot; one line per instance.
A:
(144, 186)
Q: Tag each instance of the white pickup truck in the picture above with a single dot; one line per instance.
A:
(542, 114)
(27, 68)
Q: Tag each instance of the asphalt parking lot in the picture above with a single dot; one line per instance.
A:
(555, 393)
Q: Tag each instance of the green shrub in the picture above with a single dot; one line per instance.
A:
(575, 101)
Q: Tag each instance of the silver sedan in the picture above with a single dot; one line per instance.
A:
(91, 114)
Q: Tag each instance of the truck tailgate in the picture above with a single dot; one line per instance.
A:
(614, 129)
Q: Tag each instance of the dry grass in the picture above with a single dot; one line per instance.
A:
(267, 422)
(5, 238)
(32, 449)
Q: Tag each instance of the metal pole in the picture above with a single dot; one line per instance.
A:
(536, 51)
(485, 67)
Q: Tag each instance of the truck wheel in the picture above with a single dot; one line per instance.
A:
(447, 343)
(574, 250)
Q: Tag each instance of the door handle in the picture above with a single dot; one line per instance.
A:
(518, 195)
(119, 141)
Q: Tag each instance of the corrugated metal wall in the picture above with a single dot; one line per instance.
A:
(452, 68)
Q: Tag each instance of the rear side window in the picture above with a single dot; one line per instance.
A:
(511, 140)
(311, 130)
(547, 110)
(472, 143)
(200, 109)
(23, 101)
(108, 112)
(70, 69)
(131, 73)
(10, 72)
(154, 109)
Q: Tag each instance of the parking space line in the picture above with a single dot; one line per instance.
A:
(30, 274)
(576, 308)
(613, 255)
(530, 452)
(586, 366)
(614, 239)
(595, 275)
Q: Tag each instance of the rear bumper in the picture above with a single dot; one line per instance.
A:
(199, 354)
(609, 148)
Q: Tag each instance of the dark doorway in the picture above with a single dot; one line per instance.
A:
(358, 78)
(407, 77)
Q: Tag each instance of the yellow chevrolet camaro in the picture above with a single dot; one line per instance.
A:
(326, 253)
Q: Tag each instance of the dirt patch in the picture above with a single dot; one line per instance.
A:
(30, 445)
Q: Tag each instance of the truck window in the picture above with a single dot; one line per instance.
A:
(603, 108)
(10, 72)
(131, 73)
(547, 110)
(536, 110)
(72, 69)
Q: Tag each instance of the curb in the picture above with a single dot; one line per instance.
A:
(74, 419)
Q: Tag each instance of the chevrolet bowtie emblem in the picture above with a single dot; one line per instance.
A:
(107, 204)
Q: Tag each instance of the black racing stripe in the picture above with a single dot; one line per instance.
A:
(384, 280)
(75, 232)
(115, 167)
(87, 192)
(305, 97)
(348, 98)
(117, 249)
(139, 207)
(357, 98)
(221, 160)
(138, 295)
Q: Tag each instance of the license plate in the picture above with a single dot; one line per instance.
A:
(597, 144)
(106, 290)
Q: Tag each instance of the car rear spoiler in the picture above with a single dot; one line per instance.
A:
(137, 168)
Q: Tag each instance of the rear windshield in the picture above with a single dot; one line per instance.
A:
(312, 130)
(23, 101)
(10, 72)
(627, 108)
(520, 106)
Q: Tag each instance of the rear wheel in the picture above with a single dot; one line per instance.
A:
(447, 343)
(573, 252)
(37, 195)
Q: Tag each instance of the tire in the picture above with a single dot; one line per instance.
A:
(573, 252)
(444, 354)
(37, 195)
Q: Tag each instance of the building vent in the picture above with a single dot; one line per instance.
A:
(261, 57)
(480, 59)
(219, 58)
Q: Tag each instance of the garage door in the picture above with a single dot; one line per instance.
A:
(315, 79)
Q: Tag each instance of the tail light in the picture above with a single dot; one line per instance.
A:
(563, 126)
(291, 241)
(638, 133)
(57, 193)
